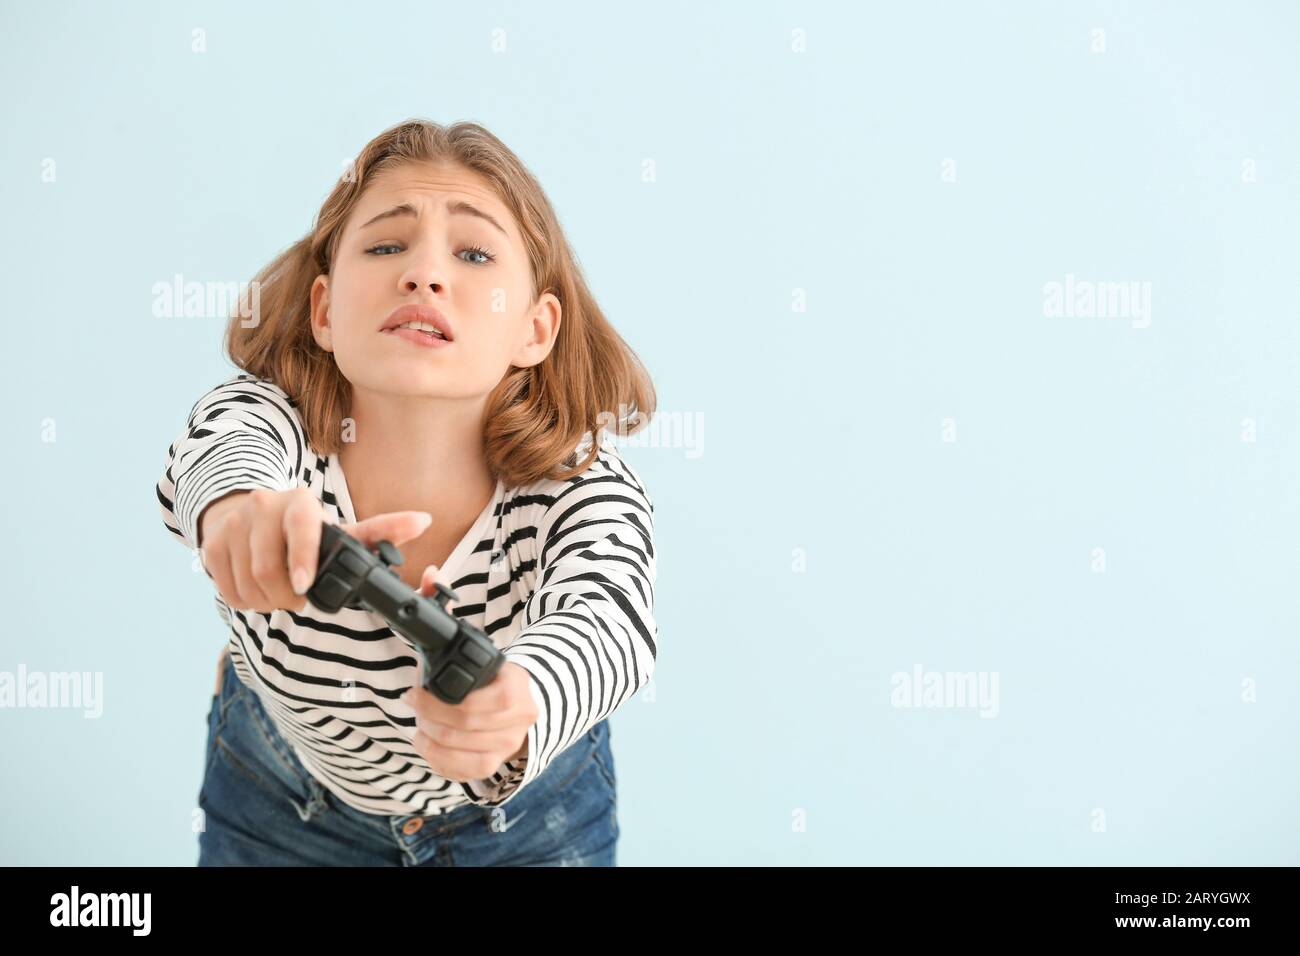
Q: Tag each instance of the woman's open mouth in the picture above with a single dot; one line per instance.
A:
(429, 340)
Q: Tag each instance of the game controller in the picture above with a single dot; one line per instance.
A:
(458, 657)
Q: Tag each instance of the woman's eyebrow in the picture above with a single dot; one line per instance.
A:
(455, 207)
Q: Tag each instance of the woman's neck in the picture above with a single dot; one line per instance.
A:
(417, 454)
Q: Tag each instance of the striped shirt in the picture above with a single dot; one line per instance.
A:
(559, 574)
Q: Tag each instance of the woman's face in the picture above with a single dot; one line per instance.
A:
(471, 267)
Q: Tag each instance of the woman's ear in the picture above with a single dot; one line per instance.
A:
(320, 306)
(543, 327)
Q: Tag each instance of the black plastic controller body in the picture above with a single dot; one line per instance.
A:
(458, 657)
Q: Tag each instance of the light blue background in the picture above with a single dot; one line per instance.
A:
(775, 171)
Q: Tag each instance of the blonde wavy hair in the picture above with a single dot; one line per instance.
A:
(537, 418)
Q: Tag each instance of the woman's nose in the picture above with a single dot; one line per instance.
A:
(423, 273)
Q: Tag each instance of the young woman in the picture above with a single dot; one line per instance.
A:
(426, 366)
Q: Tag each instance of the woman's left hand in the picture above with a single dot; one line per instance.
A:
(470, 740)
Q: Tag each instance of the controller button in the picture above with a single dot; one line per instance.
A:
(476, 655)
(455, 681)
(332, 589)
(389, 554)
(352, 562)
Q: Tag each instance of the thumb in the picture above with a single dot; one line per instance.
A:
(434, 575)
(395, 526)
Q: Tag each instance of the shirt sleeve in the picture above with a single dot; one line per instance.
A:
(243, 434)
(588, 640)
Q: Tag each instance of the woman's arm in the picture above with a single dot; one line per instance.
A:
(243, 434)
(588, 641)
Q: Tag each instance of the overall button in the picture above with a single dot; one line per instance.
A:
(412, 826)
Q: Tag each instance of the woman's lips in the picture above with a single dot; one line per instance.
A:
(424, 339)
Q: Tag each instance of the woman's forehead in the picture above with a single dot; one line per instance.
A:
(442, 181)
(436, 186)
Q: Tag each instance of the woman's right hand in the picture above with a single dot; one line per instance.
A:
(261, 547)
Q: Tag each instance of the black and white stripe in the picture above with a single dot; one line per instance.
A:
(569, 597)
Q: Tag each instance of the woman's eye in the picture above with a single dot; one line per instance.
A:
(486, 255)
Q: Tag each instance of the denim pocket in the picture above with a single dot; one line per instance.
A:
(571, 764)
(603, 758)
(228, 685)
(591, 770)
(248, 742)
(605, 763)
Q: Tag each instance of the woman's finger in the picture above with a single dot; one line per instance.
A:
(432, 577)
(396, 527)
